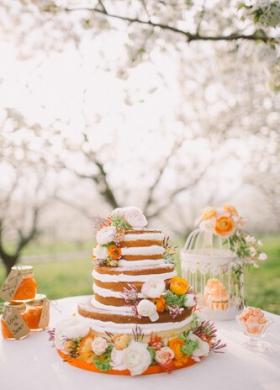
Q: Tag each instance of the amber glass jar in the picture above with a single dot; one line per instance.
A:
(13, 325)
(27, 288)
(36, 315)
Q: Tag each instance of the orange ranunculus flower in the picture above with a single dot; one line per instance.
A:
(114, 252)
(160, 304)
(224, 226)
(179, 285)
(231, 209)
(208, 213)
(176, 344)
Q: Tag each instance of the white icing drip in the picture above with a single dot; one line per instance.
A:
(113, 327)
(105, 292)
(121, 310)
(131, 278)
(144, 250)
(136, 264)
(144, 236)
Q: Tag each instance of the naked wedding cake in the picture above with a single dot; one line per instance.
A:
(141, 317)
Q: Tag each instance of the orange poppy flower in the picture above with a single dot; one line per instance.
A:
(224, 226)
(208, 213)
(160, 304)
(231, 209)
(179, 285)
(114, 252)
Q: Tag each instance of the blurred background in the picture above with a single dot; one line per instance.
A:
(167, 105)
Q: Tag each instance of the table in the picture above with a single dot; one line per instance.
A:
(33, 364)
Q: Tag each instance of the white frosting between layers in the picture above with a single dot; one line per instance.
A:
(138, 264)
(120, 310)
(144, 250)
(144, 236)
(131, 278)
(105, 292)
(120, 328)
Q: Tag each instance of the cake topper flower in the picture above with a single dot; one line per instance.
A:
(226, 223)
(132, 215)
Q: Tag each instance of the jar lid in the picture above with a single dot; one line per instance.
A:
(23, 269)
(36, 300)
(14, 305)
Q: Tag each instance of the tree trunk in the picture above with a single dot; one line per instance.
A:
(9, 261)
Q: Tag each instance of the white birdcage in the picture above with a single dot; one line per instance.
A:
(215, 274)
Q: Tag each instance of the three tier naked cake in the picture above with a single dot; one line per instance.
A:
(141, 318)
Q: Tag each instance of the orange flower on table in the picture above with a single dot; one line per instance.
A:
(208, 213)
(160, 304)
(231, 209)
(224, 226)
(114, 252)
(179, 286)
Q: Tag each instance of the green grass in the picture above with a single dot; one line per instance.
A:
(68, 278)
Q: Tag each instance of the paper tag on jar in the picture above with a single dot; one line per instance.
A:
(15, 323)
(45, 315)
(11, 284)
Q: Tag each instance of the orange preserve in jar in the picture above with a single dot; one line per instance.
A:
(13, 326)
(36, 315)
(27, 288)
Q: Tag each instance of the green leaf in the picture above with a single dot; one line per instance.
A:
(173, 299)
(120, 222)
(189, 347)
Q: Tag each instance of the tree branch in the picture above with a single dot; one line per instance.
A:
(189, 36)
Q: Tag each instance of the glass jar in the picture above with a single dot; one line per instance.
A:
(13, 325)
(27, 288)
(36, 315)
(215, 274)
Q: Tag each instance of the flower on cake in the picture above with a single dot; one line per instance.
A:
(132, 215)
(178, 285)
(100, 252)
(190, 300)
(106, 235)
(146, 308)
(136, 357)
(164, 357)
(120, 341)
(202, 348)
(160, 304)
(155, 341)
(153, 288)
(99, 345)
(114, 252)
(176, 344)
(117, 359)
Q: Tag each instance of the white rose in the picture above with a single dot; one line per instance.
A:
(133, 215)
(106, 235)
(147, 308)
(202, 349)
(99, 345)
(117, 359)
(189, 300)
(100, 252)
(262, 256)
(137, 358)
(153, 288)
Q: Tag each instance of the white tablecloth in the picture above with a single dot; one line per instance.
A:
(33, 364)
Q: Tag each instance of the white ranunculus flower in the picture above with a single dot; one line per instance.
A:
(146, 308)
(189, 300)
(106, 235)
(99, 345)
(133, 215)
(137, 358)
(117, 359)
(203, 348)
(153, 288)
(262, 256)
(100, 252)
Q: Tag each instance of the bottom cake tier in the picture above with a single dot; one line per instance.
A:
(137, 350)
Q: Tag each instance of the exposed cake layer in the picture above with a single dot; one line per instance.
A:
(142, 252)
(125, 316)
(123, 277)
(141, 263)
(119, 286)
(138, 271)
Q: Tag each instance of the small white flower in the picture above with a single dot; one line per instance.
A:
(136, 357)
(189, 300)
(262, 256)
(117, 359)
(253, 251)
(106, 235)
(133, 215)
(99, 345)
(100, 252)
(153, 288)
(146, 308)
(202, 349)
